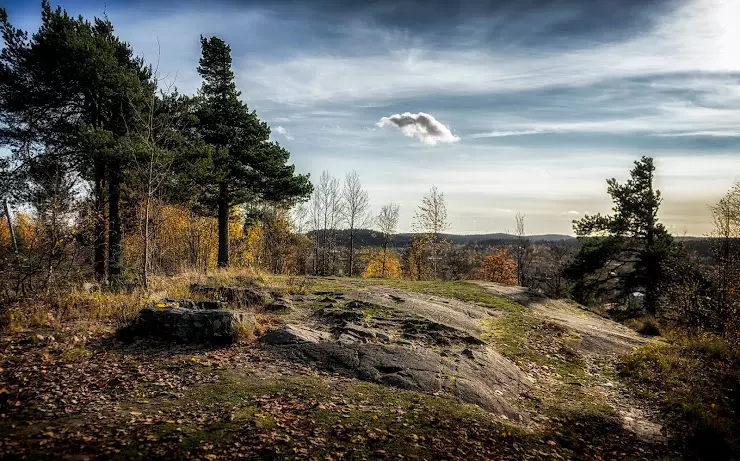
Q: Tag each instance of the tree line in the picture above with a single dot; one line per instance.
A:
(77, 107)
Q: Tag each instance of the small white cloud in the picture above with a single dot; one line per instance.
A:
(574, 212)
(422, 126)
(283, 132)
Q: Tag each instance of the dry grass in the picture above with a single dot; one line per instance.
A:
(78, 306)
(113, 309)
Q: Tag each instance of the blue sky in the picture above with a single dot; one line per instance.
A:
(533, 103)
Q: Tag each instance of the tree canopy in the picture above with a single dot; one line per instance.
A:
(624, 252)
(243, 163)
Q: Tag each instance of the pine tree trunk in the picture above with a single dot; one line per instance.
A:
(99, 226)
(115, 244)
(652, 268)
(223, 225)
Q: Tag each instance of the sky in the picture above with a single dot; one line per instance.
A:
(510, 106)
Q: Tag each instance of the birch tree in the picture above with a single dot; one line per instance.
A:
(356, 211)
(387, 221)
(431, 218)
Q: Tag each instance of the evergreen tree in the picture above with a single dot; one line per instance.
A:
(74, 88)
(625, 251)
(242, 162)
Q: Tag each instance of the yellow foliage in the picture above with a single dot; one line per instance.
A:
(238, 245)
(498, 267)
(26, 229)
(178, 239)
(255, 241)
(4, 233)
(382, 264)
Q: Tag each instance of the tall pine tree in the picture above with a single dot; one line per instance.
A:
(625, 251)
(243, 163)
(74, 87)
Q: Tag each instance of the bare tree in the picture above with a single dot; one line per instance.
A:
(300, 215)
(356, 211)
(333, 212)
(522, 251)
(325, 213)
(152, 139)
(726, 233)
(387, 221)
(431, 218)
(547, 266)
(314, 221)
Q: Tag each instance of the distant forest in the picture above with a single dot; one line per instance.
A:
(374, 238)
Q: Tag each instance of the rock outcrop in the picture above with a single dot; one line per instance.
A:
(237, 296)
(189, 325)
(395, 348)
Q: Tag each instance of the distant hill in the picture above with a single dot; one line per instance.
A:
(369, 237)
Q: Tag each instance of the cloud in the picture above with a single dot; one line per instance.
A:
(283, 132)
(698, 36)
(573, 212)
(422, 126)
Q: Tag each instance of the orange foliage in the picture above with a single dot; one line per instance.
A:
(498, 267)
(178, 239)
(4, 233)
(27, 229)
(375, 265)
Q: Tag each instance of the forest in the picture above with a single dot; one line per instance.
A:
(118, 190)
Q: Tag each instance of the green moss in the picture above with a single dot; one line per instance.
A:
(463, 291)
(75, 354)
(236, 388)
(305, 285)
(534, 343)
(360, 411)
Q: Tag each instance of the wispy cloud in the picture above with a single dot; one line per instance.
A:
(281, 130)
(422, 126)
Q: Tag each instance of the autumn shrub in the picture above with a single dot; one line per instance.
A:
(498, 267)
(383, 264)
(180, 240)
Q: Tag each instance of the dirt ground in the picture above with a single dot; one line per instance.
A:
(542, 370)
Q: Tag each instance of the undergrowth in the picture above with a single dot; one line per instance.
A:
(696, 383)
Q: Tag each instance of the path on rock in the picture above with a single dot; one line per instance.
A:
(600, 338)
(599, 335)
